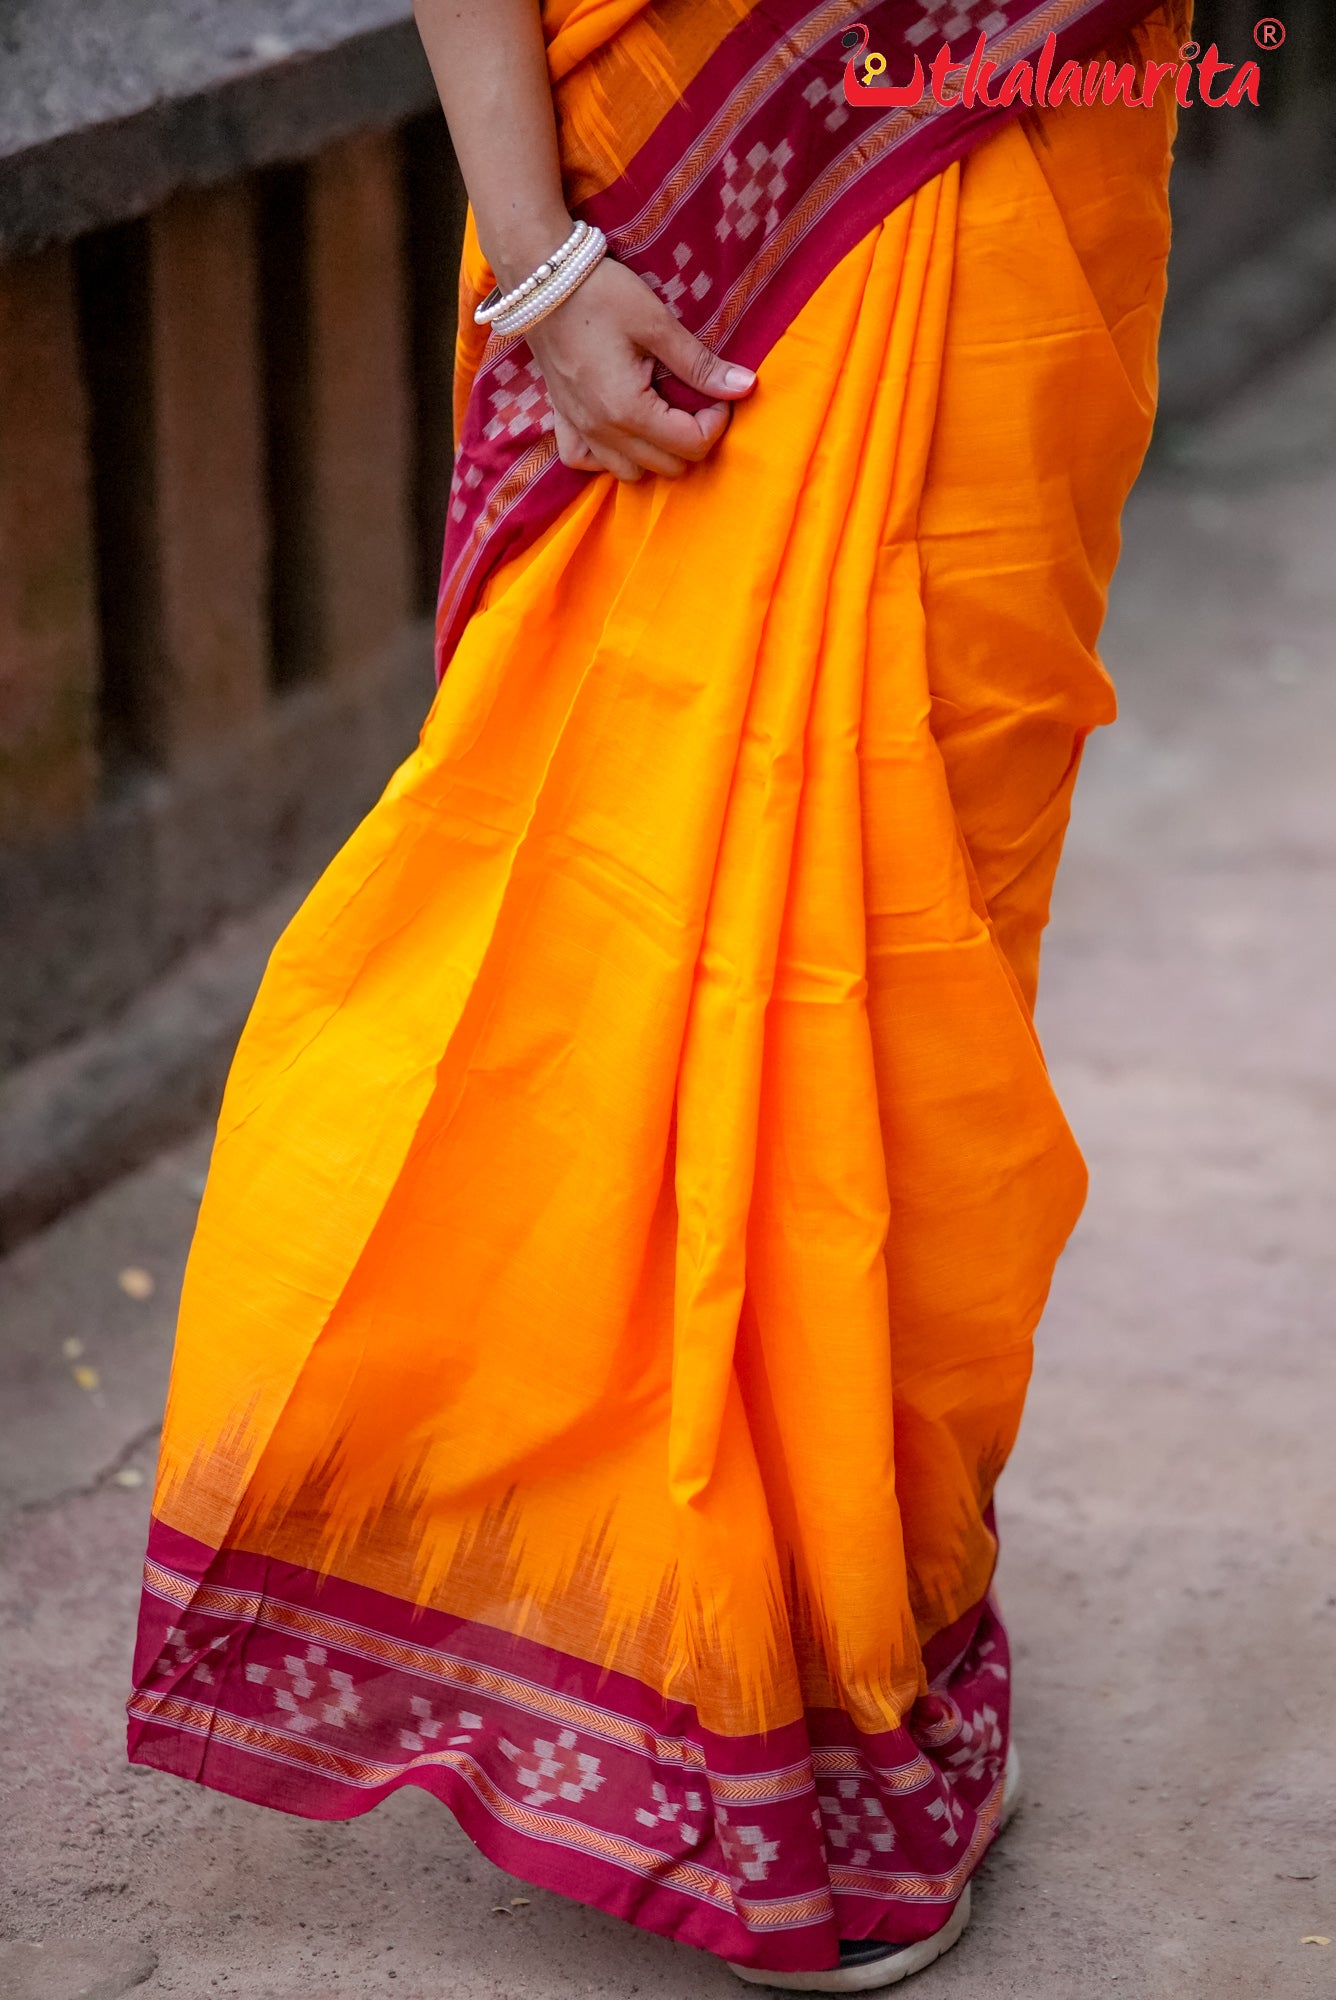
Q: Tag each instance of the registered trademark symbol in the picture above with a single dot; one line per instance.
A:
(1269, 32)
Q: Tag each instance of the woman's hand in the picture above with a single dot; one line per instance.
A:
(597, 353)
(598, 350)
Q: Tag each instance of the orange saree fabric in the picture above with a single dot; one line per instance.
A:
(639, 1181)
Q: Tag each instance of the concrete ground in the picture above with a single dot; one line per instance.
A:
(1170, 1517)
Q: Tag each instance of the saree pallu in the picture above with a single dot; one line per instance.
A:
(639, 1181)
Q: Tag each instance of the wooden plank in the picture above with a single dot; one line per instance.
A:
(48, 653)
(359, 470)
(208, 441)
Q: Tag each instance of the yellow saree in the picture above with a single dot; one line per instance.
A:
(639, 1181)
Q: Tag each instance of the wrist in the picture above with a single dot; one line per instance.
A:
(520, 244)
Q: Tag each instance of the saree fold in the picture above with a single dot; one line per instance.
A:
(639, 1181)
(714, 143)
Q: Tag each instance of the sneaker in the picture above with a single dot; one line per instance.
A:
(867, 1964)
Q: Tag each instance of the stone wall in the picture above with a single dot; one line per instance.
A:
(223, 460)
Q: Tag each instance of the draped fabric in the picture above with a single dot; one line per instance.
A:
(715, 144)
(639, 1181)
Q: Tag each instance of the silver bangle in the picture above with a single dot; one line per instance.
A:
(555, 290)
(498, 303)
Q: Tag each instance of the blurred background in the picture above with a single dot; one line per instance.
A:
(228, 242)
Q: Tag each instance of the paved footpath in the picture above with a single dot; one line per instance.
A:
(1170, 1517)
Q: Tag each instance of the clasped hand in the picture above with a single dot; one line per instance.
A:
(598, 353)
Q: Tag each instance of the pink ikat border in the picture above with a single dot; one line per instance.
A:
(321, 1697)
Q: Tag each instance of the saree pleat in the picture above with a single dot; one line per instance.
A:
(639, 1181)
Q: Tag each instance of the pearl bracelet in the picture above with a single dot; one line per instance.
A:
(497, 304)
(554, 290)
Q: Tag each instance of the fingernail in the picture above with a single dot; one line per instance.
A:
(738, 378)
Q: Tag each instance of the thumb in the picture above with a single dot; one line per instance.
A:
(694, 364)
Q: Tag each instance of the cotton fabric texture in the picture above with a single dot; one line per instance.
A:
(639, 1180)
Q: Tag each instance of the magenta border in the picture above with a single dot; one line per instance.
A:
(320, 1697)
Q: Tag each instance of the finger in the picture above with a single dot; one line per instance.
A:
(612, 450)
(685, 434)
(578, 457)
(612, 459)
(692, 362)
(573, 447)
(648, 455)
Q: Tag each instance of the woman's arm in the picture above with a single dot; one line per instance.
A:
(597, 352)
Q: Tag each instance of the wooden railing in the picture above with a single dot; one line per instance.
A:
(224, 453)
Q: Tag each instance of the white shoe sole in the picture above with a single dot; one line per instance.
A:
(1012, 1787)
(878, 1973)
(914, 1958)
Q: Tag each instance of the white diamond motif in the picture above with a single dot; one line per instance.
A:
(818, 93)
(178, 1652)
(948, 20)
(856, 1823)
(469, 478)
(307, 1691)
(554, 1770)
(950, 1811)
(519, 403)
(746, 1849)
(673, 290)
(753, 188)
(980, 1752)
(668, 1811)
